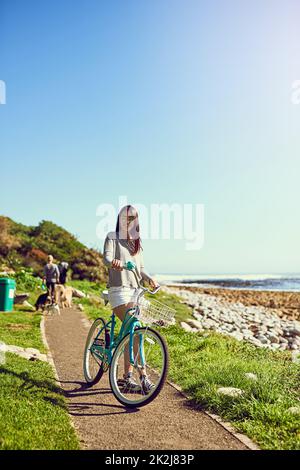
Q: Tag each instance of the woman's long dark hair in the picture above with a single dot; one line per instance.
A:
(137, 239)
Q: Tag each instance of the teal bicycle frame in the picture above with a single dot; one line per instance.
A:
(129, 324)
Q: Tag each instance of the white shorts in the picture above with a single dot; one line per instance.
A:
(122, 295)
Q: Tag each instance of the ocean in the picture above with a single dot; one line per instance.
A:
(269, 282)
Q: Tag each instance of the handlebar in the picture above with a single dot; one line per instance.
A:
(130, 266)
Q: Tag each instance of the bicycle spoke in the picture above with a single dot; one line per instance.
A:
(149, 367)
(93, 357)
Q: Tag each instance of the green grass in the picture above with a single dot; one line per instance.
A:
(94, 305)
(200, 364)
(32, 409)
(88, 287)
(33, 412)
(21, 328)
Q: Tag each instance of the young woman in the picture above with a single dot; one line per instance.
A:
(121, 246)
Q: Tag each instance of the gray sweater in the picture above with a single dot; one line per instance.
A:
(116, 248)
(51, 272)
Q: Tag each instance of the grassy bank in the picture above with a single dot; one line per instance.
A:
(21, 328)
(201, 363)
(33, 413)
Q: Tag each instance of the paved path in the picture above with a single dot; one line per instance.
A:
(103, 423)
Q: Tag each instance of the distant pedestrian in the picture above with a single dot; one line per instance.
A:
(51, 277)
(63, 270)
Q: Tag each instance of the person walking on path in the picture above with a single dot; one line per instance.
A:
(51, 277)
(63, 270)
(122, 246)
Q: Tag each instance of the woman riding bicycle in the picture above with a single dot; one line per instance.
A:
(122, 246)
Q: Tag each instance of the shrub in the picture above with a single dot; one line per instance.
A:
(25, 280)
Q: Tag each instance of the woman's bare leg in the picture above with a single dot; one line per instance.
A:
(120, 311)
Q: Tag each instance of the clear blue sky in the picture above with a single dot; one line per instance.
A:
(165, 101)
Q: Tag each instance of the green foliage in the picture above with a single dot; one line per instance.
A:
(22, 246)
(25, 281)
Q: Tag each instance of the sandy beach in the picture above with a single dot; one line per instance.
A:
(284, 304)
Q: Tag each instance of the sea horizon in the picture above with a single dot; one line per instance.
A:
(250, 281)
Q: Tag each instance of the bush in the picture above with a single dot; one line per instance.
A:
(26, 281)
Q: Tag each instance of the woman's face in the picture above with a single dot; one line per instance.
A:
(128, 221)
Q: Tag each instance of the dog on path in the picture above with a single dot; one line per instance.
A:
(63, 296)
(41, 302)
(52, 309)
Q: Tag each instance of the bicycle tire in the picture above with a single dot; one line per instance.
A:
(86, 356)
(112, 376)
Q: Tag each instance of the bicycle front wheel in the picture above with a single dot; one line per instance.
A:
(94, 363)
(150, 354)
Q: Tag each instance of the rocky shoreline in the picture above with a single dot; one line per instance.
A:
(256, 317)
(284, 304)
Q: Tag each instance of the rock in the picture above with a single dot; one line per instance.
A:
(78, 293)
(198, 316)
(255, 342)
(191, 304)
(294, 410)
(209, 324)
(283, 340)
(81, 307)
(295, 331)
(273, 338)
(262, 330)
(20, 298)
(268, 327)
(262, 339)
(32, 351)
(296, 357)
(195, 324)
(230, 391)
(27, 304)
(30, 354)
(246, 332)
(254, 328)
(186, 327)
(251, 376)
(268, 323)
(238, 336)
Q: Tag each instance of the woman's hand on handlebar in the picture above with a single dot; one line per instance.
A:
(117, 265)
(153, 283)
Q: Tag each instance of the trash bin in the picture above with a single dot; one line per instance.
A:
(7, 294)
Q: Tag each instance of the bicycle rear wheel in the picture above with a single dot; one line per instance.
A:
(151, 356)
(94, 363)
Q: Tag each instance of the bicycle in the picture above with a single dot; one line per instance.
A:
(145, 348)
